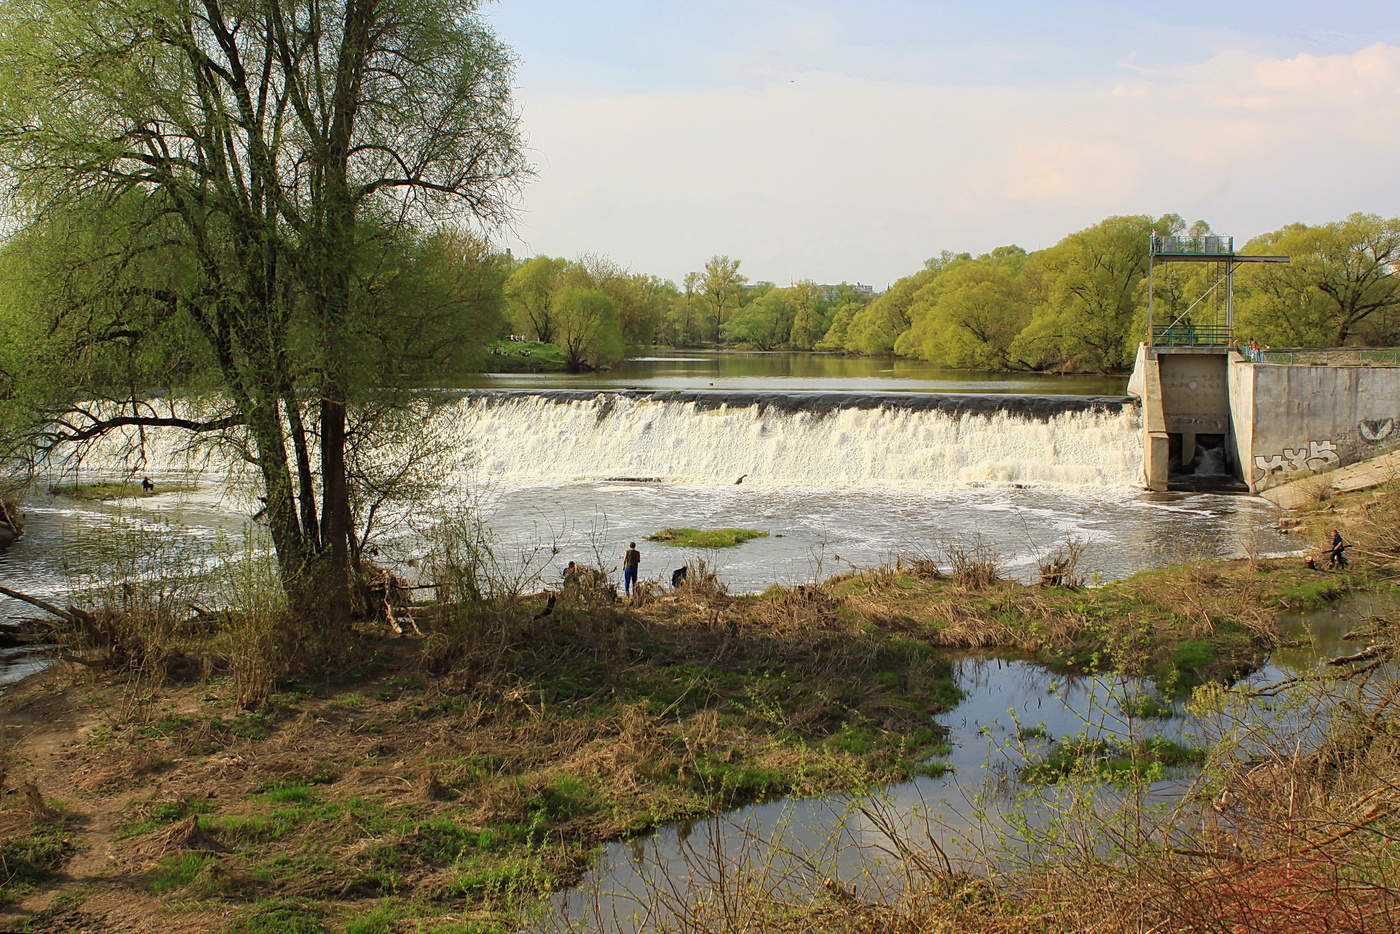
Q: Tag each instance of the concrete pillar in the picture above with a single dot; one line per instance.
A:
(1156, 460)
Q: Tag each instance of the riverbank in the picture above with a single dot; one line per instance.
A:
(456, 778)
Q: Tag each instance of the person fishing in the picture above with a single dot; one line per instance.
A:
(1337, 551)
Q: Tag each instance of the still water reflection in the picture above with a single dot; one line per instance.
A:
(782, 371)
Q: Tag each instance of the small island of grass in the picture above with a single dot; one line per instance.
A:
(115, 490)
(705, 538)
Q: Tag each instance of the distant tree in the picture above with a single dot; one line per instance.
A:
(765, 322)
(685, 325)
(721, 285)
(528, 295)
(1095, 286)
(875, 328)
(1340, 280)
(587, 327)
(835, 337)
(970, 314)
(811, 314)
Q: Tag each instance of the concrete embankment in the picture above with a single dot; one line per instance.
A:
(1209, 410)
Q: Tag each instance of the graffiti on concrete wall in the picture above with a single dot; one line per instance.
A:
(1318, 455)
(1376, 430)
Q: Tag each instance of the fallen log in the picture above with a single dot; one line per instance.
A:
(72, 614)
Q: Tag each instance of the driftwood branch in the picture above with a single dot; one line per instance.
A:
(70, 614)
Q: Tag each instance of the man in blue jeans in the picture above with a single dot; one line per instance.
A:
(630, 560)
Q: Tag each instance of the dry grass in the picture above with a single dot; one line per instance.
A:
(975, 566)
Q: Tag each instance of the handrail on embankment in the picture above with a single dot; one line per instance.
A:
(1334, 356)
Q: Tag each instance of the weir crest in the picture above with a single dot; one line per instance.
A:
(807, 440)
(822, 440)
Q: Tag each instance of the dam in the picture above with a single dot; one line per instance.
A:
(1222, 417)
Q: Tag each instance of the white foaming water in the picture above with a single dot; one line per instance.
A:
(533, 439)
(524, 439)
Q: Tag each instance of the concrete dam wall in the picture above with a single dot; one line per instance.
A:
(1262, 424)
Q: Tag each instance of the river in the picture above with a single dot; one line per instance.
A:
(843, 462)
(978, 814)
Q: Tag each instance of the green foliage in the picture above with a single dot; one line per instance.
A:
(257, 241)
(764, 322)
(587, 326)
(705, 538)
(971, 312)
(835, 337)
(1094, 283)
(1337, 288)
(1110, 760)
(875, 328)
(529, 297)
(721, 286)
(178, 870)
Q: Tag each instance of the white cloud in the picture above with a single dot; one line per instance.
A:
(832, 176)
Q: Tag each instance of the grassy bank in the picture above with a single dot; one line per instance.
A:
(448, 782)
(505, 356)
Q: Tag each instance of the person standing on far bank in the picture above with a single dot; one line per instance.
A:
(630, 562)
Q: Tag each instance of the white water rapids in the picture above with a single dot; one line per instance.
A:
(531, 438)
(836, 480)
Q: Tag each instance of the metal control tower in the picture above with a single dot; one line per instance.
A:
(1209, 320)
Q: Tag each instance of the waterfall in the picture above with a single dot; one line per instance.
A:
(809, 440)
(801, 440)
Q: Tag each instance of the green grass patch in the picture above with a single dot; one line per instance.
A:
(178, 871)
(114, 490)
(1110, 761)
(514, 878)
(159, 814)
(705, 538)
(1314, 594)
(1188, 667)
(282, 916)
(289, 793)
(506, 356)
(936, 768)
(33, 858)
(166, 726)
(1147, 707)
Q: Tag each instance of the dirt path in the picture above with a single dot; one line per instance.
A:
(44, 731)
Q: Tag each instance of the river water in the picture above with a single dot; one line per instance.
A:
(843, 462)
(978, 815)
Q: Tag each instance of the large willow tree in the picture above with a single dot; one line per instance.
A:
(242, 162)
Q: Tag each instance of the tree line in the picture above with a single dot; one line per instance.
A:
(1078, 306)
(1081, 305)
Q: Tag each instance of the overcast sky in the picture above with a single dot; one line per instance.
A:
(851, 141)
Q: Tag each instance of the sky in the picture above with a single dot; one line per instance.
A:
(852, 141)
